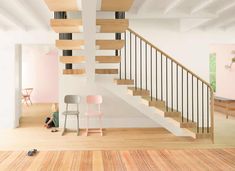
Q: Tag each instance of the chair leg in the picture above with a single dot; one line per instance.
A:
(101, 127)
(65, 120)
(30, 101)
(77, 125)
(87, 125)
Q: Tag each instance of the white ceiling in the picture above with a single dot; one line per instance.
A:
(189, 14)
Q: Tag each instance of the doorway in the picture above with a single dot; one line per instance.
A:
(39, 82)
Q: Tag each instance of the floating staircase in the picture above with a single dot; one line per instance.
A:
(162, 83)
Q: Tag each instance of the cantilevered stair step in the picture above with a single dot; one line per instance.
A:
(153, 102)
(124, 82)
(74, 71)
(185, 123)
(112, 25)
(114, 5)
(160, 105)
(72, 59)
(76, 25)
(67, 25)
(108, 59)
(63, 5)
(70, 44)
(106, 71)
(138, 92)
(110, 44)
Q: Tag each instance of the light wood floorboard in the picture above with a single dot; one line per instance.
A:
(32, 134)
(134, 160)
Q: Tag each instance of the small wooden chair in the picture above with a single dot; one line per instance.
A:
(71, 100)
(94, 100)
(26, 96)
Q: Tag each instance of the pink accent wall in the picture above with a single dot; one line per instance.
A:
(225, 77)
(40, 72)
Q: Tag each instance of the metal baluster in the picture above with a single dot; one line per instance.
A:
(161, 80)
(156, 77)
(146, 62)
(131, 55)
(135, 63)
(202, 107)
(187, 97)
(151, 66)
(197, 108)
(141, 73)
(192, 101)
(207, 109)
(166, 84)
(120, 65)
(177, 89)
(182, 95)
(125, 54)
(172, 84)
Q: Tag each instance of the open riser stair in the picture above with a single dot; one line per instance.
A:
(162, 83)
(166, 85)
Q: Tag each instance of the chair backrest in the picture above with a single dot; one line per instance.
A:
(27, 91)
(94, 99)
(72, 99)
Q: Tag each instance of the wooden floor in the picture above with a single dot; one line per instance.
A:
(136, 160)
(32, 134)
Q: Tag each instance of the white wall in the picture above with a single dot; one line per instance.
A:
(190, 48)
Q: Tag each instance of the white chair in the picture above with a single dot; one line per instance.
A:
(71, 100)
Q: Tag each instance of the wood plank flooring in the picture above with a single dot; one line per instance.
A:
(136, 160)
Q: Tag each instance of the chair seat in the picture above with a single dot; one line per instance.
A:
(93, 113)
(70, 113)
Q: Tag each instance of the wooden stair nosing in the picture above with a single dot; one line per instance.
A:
(74, 71)
(62, 5)
(123, 82)
(116, 5)
(112, 25)
(72, 59)
(66, 25)
(69, 44)
(108, 59)
(138, 92)
(110, 44)
(106, 71)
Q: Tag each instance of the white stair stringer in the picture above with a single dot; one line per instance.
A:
(151, 112)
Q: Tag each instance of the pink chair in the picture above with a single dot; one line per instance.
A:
(94, 101)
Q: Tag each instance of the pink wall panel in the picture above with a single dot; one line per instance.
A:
(40, 72)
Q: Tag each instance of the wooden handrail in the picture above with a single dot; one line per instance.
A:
(189, 71)
(168, 56)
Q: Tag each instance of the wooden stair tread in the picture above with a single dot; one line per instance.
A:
(112, 25)
(66, 25)
(62, 5)
(124, 82)
(185, 123)
(110, 44)
(72, 59)
(76, 25)
(74, 71)
(108, 59)
(116, 5)
(138, 91)
(106, 71)
(70, 44)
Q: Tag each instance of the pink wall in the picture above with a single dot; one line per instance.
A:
(225, 78)
(40, 72)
